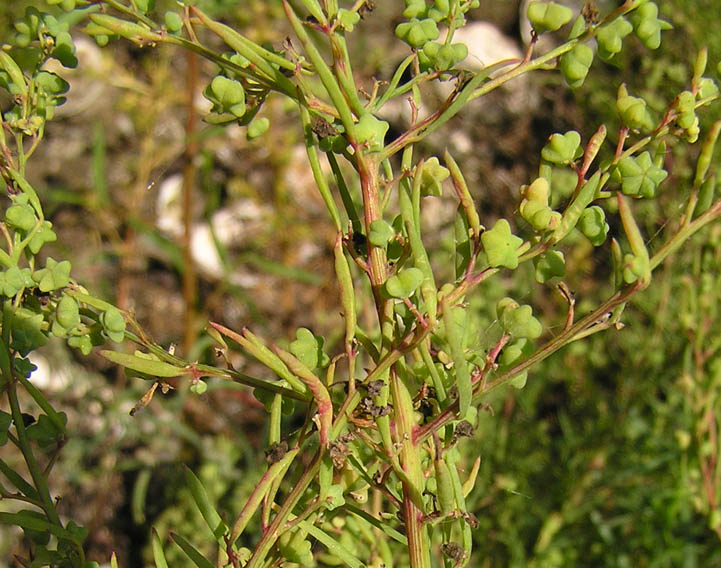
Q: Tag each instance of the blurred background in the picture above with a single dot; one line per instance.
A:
(608, 457)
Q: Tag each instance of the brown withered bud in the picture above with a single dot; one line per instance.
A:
(366, 405)
(590, 13)
(379, 411)
(367, 7)
(338, 453)
(374, 387)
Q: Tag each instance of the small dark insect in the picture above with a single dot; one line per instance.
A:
(463, 429)
(453, 550)
(322, 128)
(276, 452)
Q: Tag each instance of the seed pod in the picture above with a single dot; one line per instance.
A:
(460, 364)
(318, 390)
(699, 66)
(136, 33)
(574, 210)
(347, 293)
(14, 71)
(444, 486)
(706, 154)
(640, 264)
(706, 194)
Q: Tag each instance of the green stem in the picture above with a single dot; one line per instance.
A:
(273, 532)
(23, 442)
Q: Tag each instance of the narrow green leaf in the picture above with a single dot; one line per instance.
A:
(141, 365)
(158, 553)
(277, 470)
(191, 552)
(390, 531)
(333, 546)
(54, 416)
(317, 389)
(320, 180)
(200, 496)
(18, 481)
(31, 522)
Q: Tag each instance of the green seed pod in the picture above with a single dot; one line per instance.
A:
(403, 284)
(707, 88)
(550, 265)
(113, 321)
(548, 16)
(647, 24)
(633, 111)
(20, 216)
(575, 65)
(129, 30)
(199, 387)
(464, 195)
(417, 33)
(610, 37)
(371, 131)
(347, 294)
(68, 312)
(229, 94)
(381, 232)
(706, 194)
(257, 127)
(415, 9)
(562, 149)
(573, 212)
(706, 154)
(638, 266)
(536, 213)
(501, 246)
(173, 22)
(432, 176)
(593, 225)
(444, 486)
(699, 66)
(539, 191)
